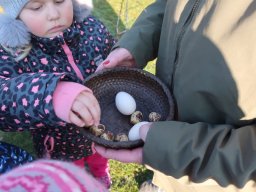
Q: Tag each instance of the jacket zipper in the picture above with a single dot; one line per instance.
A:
(71, 60)
(180, 36)
(70, 57)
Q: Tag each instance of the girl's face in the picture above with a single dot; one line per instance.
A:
(47, 18)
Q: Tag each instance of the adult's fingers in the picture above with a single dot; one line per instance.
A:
(122, 155)
(106, 64)
(144, 131)
(117, 58)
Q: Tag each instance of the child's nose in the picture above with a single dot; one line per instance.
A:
(53, 13)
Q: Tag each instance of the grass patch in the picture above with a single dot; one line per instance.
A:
(128, 177)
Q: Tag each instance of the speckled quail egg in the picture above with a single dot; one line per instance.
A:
(136, 117)
(97, 130)
(154, 116)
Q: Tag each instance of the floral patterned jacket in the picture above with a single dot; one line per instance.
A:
(27, 86)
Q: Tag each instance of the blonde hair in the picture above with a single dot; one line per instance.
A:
(18, 53)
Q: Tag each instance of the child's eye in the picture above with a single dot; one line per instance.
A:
(59, 1)
(35, 6)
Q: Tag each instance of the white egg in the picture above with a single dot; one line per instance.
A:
(125, 103)
(134, 133)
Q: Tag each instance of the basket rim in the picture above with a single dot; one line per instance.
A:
(112, 144)
(136, 143)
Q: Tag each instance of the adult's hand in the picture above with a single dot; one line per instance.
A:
(117, 58)
(125, 155)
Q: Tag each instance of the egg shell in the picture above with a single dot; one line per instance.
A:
(125, 103)
(134, 133)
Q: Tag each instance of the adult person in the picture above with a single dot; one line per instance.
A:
(205, 54)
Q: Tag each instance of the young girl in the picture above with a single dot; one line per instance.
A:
(48, 47)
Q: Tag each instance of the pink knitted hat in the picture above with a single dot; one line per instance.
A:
(49, 175)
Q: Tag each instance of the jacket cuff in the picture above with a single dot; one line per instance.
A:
(64, 96)
(162, 145)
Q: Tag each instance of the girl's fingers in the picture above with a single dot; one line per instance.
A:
(87, 108)
(94, 107)
(90, 103)
(76, 120)
(82, 113)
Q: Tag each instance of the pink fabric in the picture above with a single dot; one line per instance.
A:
(49, 175)
(80, 162)
(64, 96)
(71, 61)
(56, 177)
(98, 165)
(48, 145)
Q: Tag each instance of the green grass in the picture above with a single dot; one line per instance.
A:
(110, 10)
(125, 177)
(127, 10)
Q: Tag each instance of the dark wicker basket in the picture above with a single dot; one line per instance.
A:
(150, 94)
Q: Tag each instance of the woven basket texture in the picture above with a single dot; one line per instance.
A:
(150, 94)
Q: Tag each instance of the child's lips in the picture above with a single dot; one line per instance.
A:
(55, 29)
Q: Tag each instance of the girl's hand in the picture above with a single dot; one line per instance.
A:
(117, 58)
(125, 155)
(85, 110)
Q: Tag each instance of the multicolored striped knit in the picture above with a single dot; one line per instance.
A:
(49, 175)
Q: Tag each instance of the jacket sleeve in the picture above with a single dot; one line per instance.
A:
(202, 151)
(142, 39)
(104, 40)
(26, 98)
(108, 40)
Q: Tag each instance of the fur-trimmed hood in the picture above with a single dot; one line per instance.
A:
(14, 33)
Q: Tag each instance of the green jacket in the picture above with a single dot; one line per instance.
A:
(206, 54)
